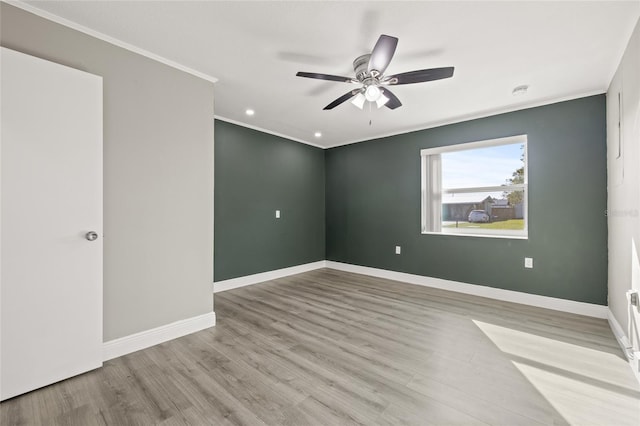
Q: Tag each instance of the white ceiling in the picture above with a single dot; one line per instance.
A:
(562, 50)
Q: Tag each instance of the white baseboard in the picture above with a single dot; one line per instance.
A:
(634, 357)
(232, 283)
(581, 308)
(621, 337)
(144, 339)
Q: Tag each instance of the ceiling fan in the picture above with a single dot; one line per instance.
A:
(369, 70)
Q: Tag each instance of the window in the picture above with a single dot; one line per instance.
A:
(477, 188)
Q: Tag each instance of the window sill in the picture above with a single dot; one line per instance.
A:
(479, 235)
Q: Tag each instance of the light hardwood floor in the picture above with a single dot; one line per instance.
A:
(333, 348)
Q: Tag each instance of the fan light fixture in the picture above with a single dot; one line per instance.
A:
(372, 93)
(359, 100)
(382, 100)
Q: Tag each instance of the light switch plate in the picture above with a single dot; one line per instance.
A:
(277, 214)
(528, 262)
(398, 249)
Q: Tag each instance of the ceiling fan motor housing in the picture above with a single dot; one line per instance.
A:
(361, 67)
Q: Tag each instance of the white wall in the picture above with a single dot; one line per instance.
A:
(623, 164)
(158, 175)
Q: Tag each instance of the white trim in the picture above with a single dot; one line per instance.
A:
(625, 345)
(112, 40)
(431, 194)
(581, 308)
(232, 283)
(144, 339)
(465, 146)
(475, 116)
(481, 233)
(621, 337)
(454, 120)
(501, 188)
(263, 130)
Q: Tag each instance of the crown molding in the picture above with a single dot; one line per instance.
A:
(111, 40)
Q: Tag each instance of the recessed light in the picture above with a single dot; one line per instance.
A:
(520, 90)
(317, 134)
(250, 112)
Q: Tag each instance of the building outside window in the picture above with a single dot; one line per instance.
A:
(476, 188)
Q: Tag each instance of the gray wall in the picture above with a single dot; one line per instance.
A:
(158, 175)
(373, 204)
(257, 174)
(158, 159)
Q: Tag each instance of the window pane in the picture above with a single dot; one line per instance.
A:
(478, 188)
(490, 166)
(483, 211)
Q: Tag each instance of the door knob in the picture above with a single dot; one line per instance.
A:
(91, 235)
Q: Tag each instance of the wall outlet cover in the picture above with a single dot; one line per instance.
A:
(528, 262)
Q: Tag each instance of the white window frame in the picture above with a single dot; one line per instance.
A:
(432, 191)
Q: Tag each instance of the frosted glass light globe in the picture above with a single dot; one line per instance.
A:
(372, 93)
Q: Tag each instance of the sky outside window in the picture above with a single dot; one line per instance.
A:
(490, 166)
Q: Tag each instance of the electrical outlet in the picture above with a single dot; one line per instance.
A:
(528, 262)
(277, 214)
(398, 250)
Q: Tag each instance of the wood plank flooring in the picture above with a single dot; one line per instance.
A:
(333, 348)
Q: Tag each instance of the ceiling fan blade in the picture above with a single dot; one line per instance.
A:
(325, 77)
(342, 99)
(420, 76)
(393, 101)
(382, 53)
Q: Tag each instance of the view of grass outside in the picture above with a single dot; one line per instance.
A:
(476, 188)
(516, 224)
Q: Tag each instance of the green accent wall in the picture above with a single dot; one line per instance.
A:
(373, 204)
(255, 175)
(372, 192)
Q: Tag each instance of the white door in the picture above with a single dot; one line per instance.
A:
(51, 197)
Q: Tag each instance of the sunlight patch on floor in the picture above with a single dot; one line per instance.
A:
(567, 374)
